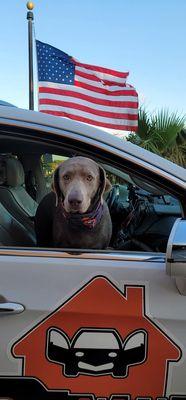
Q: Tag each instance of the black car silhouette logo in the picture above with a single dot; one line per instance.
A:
(96, 351)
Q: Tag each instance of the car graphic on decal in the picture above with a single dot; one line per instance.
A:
(96, 351)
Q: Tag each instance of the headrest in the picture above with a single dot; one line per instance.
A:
(11, 172)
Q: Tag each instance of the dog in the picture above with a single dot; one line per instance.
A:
(77, 214)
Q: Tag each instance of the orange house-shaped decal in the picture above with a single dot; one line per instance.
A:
(99, 342)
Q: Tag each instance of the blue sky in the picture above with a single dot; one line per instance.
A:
(146, 37)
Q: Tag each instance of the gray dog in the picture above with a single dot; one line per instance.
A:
(80, 216)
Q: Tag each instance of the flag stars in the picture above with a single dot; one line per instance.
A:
(54, 66)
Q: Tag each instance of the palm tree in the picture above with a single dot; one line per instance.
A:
(162, 133)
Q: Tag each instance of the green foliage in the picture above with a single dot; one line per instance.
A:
(177, 152)
(49, 168)
(162, 133)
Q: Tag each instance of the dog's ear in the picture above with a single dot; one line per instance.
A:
(105, 184)
(55, 184)
(108, 186)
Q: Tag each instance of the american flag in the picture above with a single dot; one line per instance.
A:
(87, 93)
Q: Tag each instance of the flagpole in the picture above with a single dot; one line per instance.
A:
(30, 18)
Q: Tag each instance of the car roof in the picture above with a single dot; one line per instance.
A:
(8, 114)
(5, 103)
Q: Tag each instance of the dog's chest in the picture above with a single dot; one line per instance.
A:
(67, 233)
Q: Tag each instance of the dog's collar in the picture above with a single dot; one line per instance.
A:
(86, 220)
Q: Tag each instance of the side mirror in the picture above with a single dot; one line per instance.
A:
(176, 254)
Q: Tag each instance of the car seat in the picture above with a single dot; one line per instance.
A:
(12, 233)
(13, 195)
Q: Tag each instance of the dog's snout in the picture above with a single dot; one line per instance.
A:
(75, 199)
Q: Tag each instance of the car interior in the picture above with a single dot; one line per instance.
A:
(142, 215)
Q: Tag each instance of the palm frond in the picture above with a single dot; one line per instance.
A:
(168, 126)
(162, 133)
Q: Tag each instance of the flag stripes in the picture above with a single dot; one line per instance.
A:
(59, 100)
(59, 105)
(125, 94)
(96, 122)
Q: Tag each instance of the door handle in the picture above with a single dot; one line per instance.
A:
(11, 308)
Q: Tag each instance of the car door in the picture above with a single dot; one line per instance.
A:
(90, 324)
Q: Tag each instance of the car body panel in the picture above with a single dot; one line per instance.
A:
(55, 279)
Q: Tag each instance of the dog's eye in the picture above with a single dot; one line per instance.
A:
(89, 178)
(66, 177)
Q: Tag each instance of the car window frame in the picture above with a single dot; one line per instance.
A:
(51, 139)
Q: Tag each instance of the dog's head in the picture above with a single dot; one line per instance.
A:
(79, 182)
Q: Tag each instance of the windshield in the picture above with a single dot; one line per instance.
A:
(95, 340)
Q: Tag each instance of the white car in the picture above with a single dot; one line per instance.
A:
(86, 323)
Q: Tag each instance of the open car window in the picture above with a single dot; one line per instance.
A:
(142, 213)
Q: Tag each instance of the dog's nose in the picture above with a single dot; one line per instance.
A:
(75, 199)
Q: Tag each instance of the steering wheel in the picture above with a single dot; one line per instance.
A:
(112, 196)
